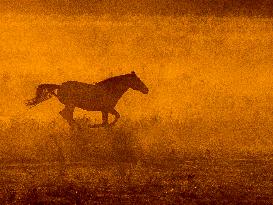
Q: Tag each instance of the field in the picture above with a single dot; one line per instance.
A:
(149, 161)
(203, 134)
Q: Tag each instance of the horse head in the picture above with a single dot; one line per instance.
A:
(136, 84)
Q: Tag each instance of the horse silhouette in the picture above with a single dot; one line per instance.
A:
(102, 96)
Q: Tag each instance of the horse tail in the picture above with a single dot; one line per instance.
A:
(43, 93)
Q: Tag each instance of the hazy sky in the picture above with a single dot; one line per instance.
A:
(190, 63)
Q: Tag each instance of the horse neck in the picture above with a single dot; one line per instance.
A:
(117, 88)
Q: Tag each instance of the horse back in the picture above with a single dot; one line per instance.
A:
(82, 94)
(80, 89)
(77, 85)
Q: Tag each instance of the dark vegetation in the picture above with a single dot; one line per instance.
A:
(147, 7)
(152, 161)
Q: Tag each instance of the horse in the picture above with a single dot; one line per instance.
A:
(101, 96)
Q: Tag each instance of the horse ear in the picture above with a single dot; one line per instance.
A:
(133, 72)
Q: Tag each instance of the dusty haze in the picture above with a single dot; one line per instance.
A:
(202, 134)
(203, 66)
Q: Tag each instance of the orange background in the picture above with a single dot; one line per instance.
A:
(195, 66)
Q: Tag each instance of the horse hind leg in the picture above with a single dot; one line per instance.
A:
(67, 114)
(105, 118)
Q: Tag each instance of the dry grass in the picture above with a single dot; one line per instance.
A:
(149, 161)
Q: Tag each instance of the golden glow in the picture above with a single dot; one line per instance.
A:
(181, 59)
(204, 131)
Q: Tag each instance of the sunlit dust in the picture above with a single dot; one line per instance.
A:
(203, 133)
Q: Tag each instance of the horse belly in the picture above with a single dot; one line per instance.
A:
(85, 97)
(90, 104)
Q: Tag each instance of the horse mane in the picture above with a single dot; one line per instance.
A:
(111, 80)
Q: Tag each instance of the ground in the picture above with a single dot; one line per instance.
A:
(121, 165)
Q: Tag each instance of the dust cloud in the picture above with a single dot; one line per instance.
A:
(200, 65)
(204, 131)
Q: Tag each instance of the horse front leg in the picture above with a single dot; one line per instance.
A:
(67, 114)
(117, 116)
(104, 121)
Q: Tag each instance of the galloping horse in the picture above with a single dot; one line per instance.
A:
(102, 96)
